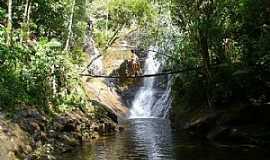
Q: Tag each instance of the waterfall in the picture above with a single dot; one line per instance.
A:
(96, 66)
(163, 104)
(151, 101)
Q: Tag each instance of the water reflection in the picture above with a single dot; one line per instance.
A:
(153, 139)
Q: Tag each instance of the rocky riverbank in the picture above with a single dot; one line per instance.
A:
(31, 134)
(240, 125)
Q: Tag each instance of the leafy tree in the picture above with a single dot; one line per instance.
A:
(116, 15)
(35, 70)
(221, 34)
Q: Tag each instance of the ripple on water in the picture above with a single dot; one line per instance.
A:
(153, 139)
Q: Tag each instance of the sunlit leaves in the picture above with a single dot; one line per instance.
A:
(126, 12)
(54, 44)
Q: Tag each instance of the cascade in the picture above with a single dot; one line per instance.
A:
(151, 101)
(96, 66)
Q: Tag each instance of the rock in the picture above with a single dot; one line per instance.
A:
(94, 135)
(52, 133)
(121, 128)
(64, 132)
(43, 136)
(11, 155)
(203, 125)
(240, 137)
(47, 157)
(96, 128)
(70, 127)
(69, 140)
(217, 133)
(63, 148)
(62, 124)
(34, 126)
(28, 149)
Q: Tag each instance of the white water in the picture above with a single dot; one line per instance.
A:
(148, 102)
(163, 104)
(97, 66)
(89, 47)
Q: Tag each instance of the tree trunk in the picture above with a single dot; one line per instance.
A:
(25, 10)
(9, 25)
(203, 37)
(26, 21)
(204, 48)
(67, 47)
(53, 81)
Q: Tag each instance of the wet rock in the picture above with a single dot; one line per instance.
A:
(47, 157)
(239, 137)
(69, 140)
(43, 136)
(112, 116)
(202, 125)
(121, 128)
(104, 112)
(217, 133)
(14, 142)
(43, 152)
(94, 135)
(95, 127)
(34, 126)
(64, 131)
(129, 94)
(63, 148)
(69, 127)
(28, 149)
(52, 133)
(66, 123)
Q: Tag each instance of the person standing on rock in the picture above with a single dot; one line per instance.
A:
(135, 65)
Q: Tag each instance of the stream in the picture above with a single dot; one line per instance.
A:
(153, 139)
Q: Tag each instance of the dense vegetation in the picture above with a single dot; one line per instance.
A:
(229, 40)
(41, 48)
(41, 55)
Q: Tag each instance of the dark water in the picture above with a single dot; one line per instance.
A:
(153, 139)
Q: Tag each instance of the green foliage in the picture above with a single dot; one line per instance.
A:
(44, 78)
(237, 34)
(35, 70)
(101, 38)
(123, 12)
(50, 18)
(228, 39)
(114, 16)
(2, 13)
